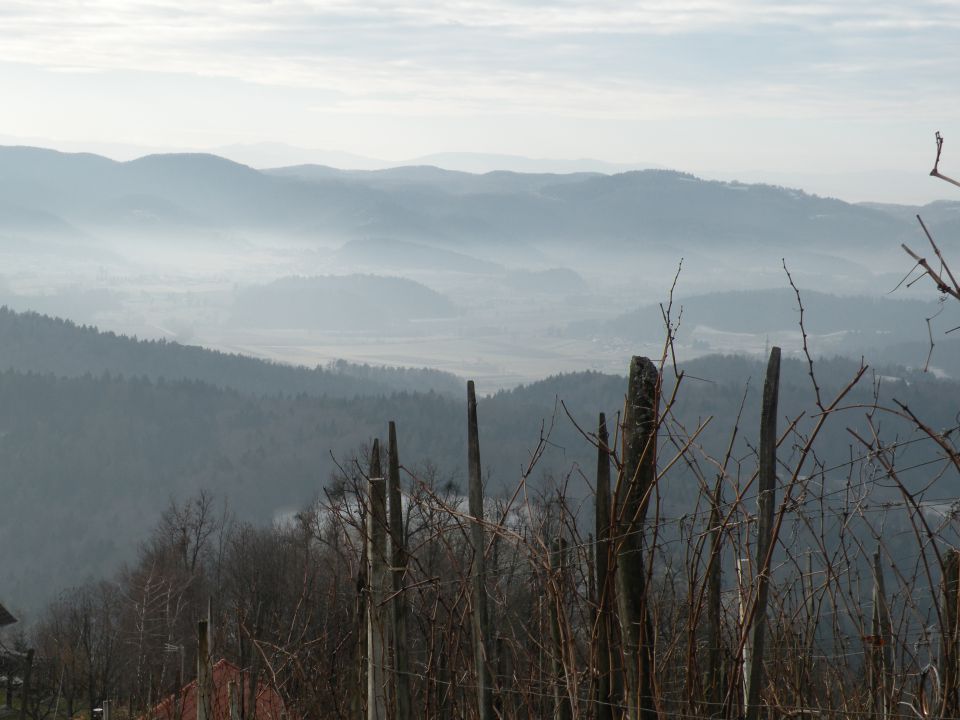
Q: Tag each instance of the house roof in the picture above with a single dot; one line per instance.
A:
(5, 617)
(183, 706)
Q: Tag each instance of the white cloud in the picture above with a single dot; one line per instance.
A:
(717, 66)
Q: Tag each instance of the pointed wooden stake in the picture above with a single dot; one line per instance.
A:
(481, 629)
(377, 574)
(767, 479)
(604, 589)
(398, 570)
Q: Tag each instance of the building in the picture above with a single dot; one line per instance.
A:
(183, 706)
(5, 617)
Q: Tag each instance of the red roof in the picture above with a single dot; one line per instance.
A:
(184, 706)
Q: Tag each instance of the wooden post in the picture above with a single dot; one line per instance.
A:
(604, 591)
(253, 682)
(950, 633)
(211, 649)
(204, 673)
(561, 694)
(478, 598)
(25, 687)
(715, 683)
(742, 594)
(398, 549)
(880, 640)
(9, 699)
(248, 706)
(593, 603)
(767, 480)
(377, 558)
(359, 688)
(806, 694)
(638, 474)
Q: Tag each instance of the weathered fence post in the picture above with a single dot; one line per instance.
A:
(767, 479)
(638, 475)
(398, 567)
(558, 570)
(377, 571)
(253, 680)
(204, 673)
(25, 686)
(742, 598)
(604, 589)
(882, 653)
(478, 569)
(950, 634)
(359, 693)
(715, 683)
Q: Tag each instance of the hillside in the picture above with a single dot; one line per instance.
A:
(882, 329)
(30, 342)
(347, 303)
(89, 462)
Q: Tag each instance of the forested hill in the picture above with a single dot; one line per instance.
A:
(38, 343)
(64, 193)
(88, 463)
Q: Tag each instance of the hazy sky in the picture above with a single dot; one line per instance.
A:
(711, 86)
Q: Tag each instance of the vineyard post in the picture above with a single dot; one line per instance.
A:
(881, 664)
(638, 474)
(767, 478)
(481, 627)
(604, 588)
(25, 686)
(715, 685)
(558, 571)
(745, 660)
(377, 561)
(398, 567)
(253, 679)
(204, 680)
(949, 633)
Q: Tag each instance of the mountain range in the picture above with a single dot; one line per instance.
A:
(82, 194)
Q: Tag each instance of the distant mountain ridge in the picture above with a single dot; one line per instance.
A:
(196, 191)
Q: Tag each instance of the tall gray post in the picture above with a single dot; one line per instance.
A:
(377, 559)
(478, 570)
(604, 589)
(204, 673)
(767, 479)
(398, 564)
(639, 472)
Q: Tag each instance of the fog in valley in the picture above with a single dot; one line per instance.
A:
(206, 324)
(504, 277)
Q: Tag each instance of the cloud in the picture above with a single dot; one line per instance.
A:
(719, 62)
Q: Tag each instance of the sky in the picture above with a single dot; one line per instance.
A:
(803, 93)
